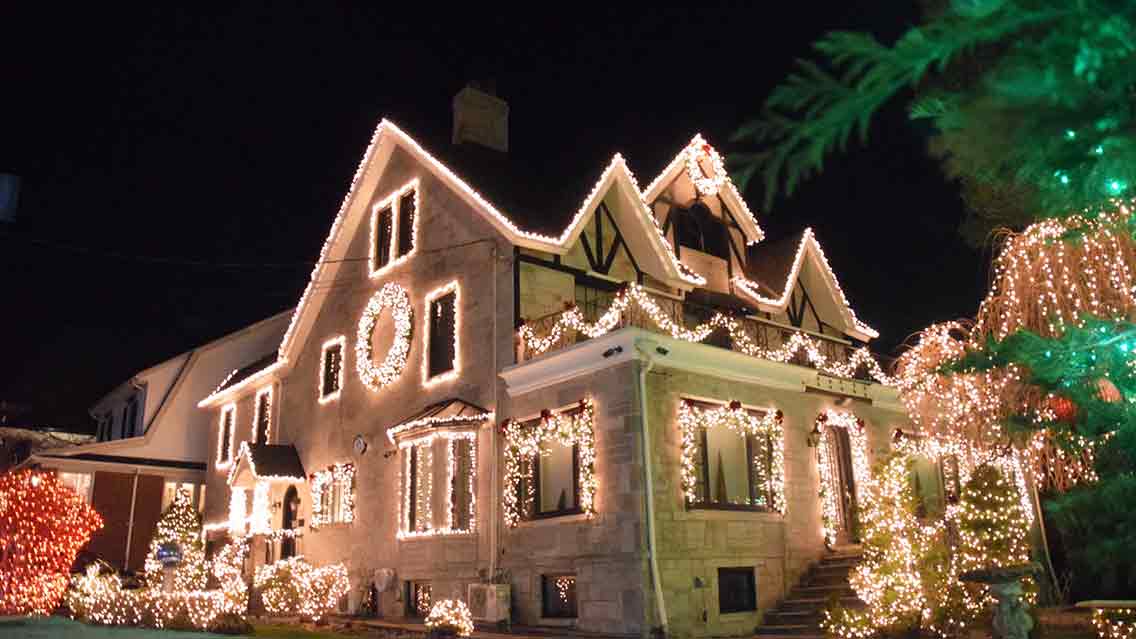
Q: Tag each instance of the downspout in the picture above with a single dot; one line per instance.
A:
(493, 492)
(130, 528)
(649, 486)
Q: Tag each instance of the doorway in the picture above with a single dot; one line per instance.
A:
(842, 483)
(291, 516)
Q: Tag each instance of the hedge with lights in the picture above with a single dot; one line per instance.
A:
(43, 525)
(295, 587)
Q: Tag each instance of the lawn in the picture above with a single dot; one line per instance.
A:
(63, 628)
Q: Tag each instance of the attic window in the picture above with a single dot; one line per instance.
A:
(698, 229)
(394, 228)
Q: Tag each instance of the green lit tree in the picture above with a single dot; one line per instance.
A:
(1032, 106)
(180, 524)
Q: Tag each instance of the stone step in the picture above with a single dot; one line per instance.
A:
(805, 603)
(825, 579)
(795, 630)
(779, 617)
(807, 592)
(838, 569)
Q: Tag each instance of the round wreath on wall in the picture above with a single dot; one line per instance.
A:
(376, 376)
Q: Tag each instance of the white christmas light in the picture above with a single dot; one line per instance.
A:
(226, 435)
(339, 341)
(343, 476)
(394, 201)
(829, 477)
(256, 417)
(376, 376)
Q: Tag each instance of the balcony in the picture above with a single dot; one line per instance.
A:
(602, 312)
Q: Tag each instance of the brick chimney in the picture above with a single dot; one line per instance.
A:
(481, 117)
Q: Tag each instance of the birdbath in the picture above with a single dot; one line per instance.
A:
(1011, 617)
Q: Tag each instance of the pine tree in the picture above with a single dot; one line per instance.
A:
(179, 524)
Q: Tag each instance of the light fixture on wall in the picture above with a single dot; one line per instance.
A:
(814, 435)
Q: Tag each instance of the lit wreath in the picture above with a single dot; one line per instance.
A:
(397, 299)
(706, 185)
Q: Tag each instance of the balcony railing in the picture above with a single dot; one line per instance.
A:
(606, 312)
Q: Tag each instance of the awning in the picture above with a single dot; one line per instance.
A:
(449, 413)
(266, 462)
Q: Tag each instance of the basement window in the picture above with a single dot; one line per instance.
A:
(558, 596)
(737, 590)
(419, 599)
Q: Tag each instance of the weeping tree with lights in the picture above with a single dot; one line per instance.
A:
(180, 525)
(1034, 107)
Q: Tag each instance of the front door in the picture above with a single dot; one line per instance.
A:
(840, 459)
(291, 514)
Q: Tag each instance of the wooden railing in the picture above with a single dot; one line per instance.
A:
(760, 332)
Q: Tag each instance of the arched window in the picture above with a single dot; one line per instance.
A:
(698, 229)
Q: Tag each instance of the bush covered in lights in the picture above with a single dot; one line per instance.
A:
(295, 587)
(450, 616)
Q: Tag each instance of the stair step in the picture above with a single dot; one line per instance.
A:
(795, 630)
(826, 579)
(794, 617)
(806, 592)
(804, 603)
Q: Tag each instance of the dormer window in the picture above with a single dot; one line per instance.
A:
(697, 228)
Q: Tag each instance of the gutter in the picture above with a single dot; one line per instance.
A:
(652, 548)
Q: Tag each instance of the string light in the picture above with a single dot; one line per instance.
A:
(43, 524)
(395, 298)
(294, 587)
(451, 614)
(267, 416)
(238, 511)
(1115, 623)
(341, 476)
(634, 299)
(179, 525)
(829, 475)
(564, 585)
(766, 428)
(222, 393)
(226, 435)
(424, 516)
(340, 342)
(455, 371)
(394, 202)
(574, 427)
(695, 152)
(436, 422)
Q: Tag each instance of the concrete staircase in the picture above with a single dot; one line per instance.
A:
(799, 615)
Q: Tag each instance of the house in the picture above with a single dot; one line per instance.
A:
(152, 440)
(629, 411)
(17, 444)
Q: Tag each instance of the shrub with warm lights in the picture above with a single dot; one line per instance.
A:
(43, 524)
(450, 617)
(295, 587)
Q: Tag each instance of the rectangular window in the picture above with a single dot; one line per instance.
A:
(225, 437)
(382, 235)
(189, 488)
(331, 369)
(558, 596)
(556, 475)
(557, 478)
(462, 484)
(407, 204)
(733, 470)
(78, 482)
(420, 485)
(333, 495)
(737, 590)
(419, 599)
(262, 418)
(441, 340)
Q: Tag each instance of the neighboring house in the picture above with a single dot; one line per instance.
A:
(152, 440)
(442, 340)
(17, 444)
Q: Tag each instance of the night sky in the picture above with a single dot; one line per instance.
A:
(181, 170)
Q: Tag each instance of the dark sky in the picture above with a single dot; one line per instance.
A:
(181, 169)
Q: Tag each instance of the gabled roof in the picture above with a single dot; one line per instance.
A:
(387, 136)
(728, 192)
(772, 270)
(268, 462)
(449, 412)
(248, 374)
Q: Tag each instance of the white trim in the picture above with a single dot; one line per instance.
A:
(341, 342)
(267, 390)
(394, 201)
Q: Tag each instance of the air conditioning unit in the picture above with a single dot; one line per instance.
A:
(489, 602)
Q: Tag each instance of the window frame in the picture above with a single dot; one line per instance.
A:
(266, 415)
(393, 202)
(750, 573)
(429, 378)
(340, 342)
(226, 435)
(704, 475)
(531, 472)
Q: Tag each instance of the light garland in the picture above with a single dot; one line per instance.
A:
(394, 202)
(808, 240)
(43, 525)
(238, 511)
(231, 391)
(257, 416)
(452, 614)
(395, 298)
(767, 428)
(575, 427)
(564, 584)
(437, 422)
(294, 587)
(340, 342)
(227, 434)
(101, 599)
(471, 486)
(343, 476)
(453, 373)
(695, 151)
(1109, 626)
(829, 476)
(260, 519)
(637, 298)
